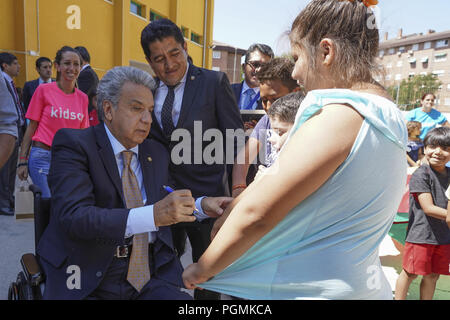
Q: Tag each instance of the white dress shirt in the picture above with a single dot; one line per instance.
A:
(160, 97)
(141, 220)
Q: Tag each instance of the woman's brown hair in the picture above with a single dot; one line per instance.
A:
(351, 25)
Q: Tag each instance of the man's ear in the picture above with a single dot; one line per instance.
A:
(148, 60)
(327, 51)
(185, 47)
(108, 110)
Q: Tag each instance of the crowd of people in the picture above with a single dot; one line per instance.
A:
(300, 213)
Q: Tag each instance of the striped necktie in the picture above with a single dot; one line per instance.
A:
(166, 113)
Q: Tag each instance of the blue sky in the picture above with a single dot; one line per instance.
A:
(243, 22)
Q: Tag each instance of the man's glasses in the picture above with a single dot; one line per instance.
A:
(255, 64)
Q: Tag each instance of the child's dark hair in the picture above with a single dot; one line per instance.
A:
(411, 125)
(278, 69)
(438, 137)
(286, 107)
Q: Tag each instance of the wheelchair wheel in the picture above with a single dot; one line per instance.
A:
(24, 289)
(13, 292)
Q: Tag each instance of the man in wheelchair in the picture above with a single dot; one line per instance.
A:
(108, 236)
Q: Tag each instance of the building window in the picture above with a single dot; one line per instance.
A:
(440, 57)
(381, 53)
(137, 9)
(415, 47)
(216, 68)
(398, 77)
(389, 66)
(447, 101)
(388, 77)
(196, 38)
(401, 49)
(185, 32)
(155, 16)
(391, 51)
(427, 45)
(439, 73)
(217, 54)
(400, 63)
(441, 43)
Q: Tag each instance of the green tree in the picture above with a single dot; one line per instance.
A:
(410, 90)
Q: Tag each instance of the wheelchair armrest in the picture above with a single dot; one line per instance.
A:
(35, 189)
(32, 270)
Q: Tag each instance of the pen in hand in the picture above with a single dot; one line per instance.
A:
(170, 190)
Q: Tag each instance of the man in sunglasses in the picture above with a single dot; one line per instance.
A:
(247, 92)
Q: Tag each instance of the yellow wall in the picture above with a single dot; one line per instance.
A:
(109, 31)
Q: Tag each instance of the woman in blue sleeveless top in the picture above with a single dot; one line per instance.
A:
(310, 228)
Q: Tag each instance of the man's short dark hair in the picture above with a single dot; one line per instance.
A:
(263, 48)
(278, 69)
(438, 137)
(159, 30)
(286, 107)
(84, 54)
(6, 57)
(41, 60)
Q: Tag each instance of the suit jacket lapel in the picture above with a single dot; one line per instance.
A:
(153, 190)
(190, 88)
(148, 174)
(108, 158)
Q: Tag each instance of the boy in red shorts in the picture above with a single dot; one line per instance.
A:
(427, 247)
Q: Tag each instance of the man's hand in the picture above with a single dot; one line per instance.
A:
(215, 206)
(175, 207)
(22, 173)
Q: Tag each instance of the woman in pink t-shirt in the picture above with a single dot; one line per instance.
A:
(53, 106)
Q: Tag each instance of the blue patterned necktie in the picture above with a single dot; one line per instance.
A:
(249, 93)
(166, 113)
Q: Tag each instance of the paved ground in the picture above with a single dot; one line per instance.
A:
(17, 238)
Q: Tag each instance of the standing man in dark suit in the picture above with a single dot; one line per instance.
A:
(247, 92)
(44, 68)
(189, 100)
(102, 242)
(10, 69)
(88, 79)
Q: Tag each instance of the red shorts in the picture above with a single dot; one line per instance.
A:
(424, 259)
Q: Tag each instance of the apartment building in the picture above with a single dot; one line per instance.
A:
(418, 54)
(109, 29)
(227, 58)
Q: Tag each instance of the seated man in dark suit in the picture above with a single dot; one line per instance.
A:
(87, 79)
(102, 242)
(44, 68)
(247, 92)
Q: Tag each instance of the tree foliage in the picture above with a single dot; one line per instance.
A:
(411, 90)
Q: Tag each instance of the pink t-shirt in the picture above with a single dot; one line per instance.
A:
(54, 110)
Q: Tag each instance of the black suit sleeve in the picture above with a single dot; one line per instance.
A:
(73, 197)
(26, 96)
